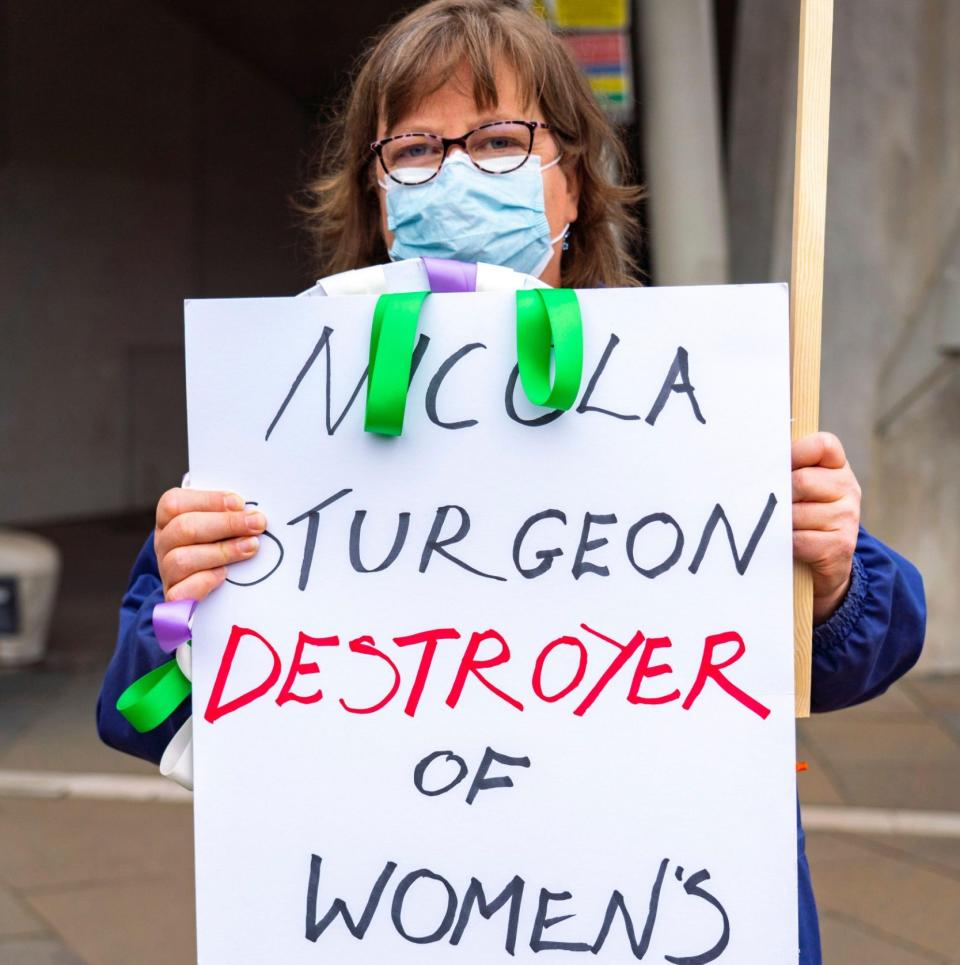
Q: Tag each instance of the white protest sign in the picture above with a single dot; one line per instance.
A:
(514, 685)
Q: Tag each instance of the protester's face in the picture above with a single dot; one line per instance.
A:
(450, 111)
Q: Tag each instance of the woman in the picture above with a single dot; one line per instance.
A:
(469, 133)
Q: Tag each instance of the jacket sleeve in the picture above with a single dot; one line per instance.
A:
(875, 636)
(137, 653)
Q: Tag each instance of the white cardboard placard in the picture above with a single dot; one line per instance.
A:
(660, 535)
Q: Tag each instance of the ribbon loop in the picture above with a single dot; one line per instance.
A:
(392, 340)
(447, 275)
(177, 760)
(550, 317)
(171, 623)
(149, 701)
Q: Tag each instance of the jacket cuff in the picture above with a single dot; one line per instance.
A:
(833, 632)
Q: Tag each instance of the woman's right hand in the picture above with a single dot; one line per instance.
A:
(198, 533)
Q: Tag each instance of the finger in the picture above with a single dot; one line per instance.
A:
(197, 587)
(183, 561)
(823, 550)
(818, 449)
(188, 529)
(813, 484)
(175, 502)
(812, 546)
(831, 516)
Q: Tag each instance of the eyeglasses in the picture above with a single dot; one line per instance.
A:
(495, 148)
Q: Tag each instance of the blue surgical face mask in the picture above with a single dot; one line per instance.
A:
(469, 215)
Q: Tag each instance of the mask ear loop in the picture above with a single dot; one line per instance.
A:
(566, 228)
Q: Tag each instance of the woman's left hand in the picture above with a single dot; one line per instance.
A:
(826, 517)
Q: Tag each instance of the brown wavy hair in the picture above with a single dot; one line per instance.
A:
(342, 206)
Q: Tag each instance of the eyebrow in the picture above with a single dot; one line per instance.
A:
(430, 129)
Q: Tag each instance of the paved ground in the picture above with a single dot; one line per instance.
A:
(105, 882)
(891, 899)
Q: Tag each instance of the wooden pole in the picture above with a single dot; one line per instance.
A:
(806, 280)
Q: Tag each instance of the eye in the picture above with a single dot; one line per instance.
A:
(416, 150)
(499, 143)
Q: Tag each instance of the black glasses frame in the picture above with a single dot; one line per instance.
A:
(448, 142)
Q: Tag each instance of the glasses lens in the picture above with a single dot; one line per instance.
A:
(413, 158)
(499, 148)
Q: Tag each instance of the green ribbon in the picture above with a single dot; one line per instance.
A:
(550, 317)
(548, 324)
(149, 701)
(392, 340)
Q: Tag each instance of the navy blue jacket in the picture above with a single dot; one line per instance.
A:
(873, 639)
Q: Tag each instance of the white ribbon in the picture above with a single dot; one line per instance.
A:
(177, 760)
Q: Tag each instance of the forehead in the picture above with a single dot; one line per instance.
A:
(457, 99)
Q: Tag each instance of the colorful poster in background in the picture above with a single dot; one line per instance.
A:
(591, 14)
(598, 35)
(516, 685)
(605, 58)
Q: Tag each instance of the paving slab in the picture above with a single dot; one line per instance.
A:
(896, 704)
(37, 951)
(16, 919)
(816, 785)
(882, 742)
(61, 843)
(939, 854)
(96, 882)
(910, 786)
(952, 723)
(846, 942)
(146, 922)
(890, 897)
(941, 692)
(893, 758)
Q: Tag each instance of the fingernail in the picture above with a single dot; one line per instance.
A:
(256, 521)
(249, 545)
(233, 502)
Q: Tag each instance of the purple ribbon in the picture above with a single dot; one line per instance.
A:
(171, 623)
(446, 275)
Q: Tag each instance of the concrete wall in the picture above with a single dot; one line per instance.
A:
(139, 165)
(916, 452)
(893, 207)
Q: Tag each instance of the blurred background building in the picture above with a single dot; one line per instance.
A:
(151, 151)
